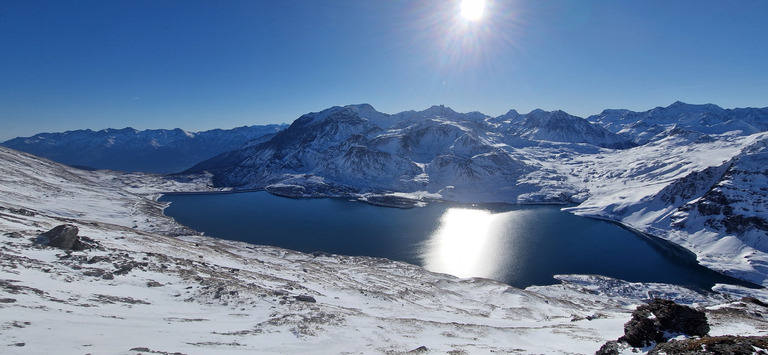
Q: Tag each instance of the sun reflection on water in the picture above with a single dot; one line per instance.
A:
(468, 243)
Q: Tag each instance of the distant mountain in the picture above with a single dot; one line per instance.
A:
(678, 118)
(558, 126)
(157, 151)
(358, 149)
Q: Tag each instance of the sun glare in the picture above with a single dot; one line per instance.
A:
(461, 245)
(472, 10)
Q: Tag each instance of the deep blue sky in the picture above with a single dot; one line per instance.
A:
(220, 64)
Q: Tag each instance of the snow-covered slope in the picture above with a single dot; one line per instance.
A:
(129, 199)
(158, 150)
(558, 126)
(708, 197)
(709, 119)
(136, 290)
(355, 149)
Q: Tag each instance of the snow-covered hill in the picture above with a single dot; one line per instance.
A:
(158, 150)
(134, 289)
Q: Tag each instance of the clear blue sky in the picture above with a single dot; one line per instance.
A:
(219, 64)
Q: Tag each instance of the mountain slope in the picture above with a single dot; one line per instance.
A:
(705, 196)
(205, 295)
(463, 156)
(704, 120)
(558, 126)
(159, 151)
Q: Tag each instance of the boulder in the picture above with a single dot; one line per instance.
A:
(305, 298)
(675, 318)
(63, 236)
(723, 345)
(610, 348)
(652, 323)
(656, 322)
(641, 331)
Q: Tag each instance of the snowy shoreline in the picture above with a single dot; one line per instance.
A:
(416, 202)
(207, 295)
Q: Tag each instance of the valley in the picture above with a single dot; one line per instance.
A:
(697, 180)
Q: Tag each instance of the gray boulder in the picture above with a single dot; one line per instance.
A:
(63, 236)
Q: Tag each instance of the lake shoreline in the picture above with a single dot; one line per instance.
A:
(442, 204)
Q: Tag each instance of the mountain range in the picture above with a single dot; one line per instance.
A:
(691, 174)
(128, 149)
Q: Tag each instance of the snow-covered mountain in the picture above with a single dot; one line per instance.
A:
(157, 150)
(708, 197)
(558, 126)
(461, 156)
(661, 174)
(702, 120)
(134, 289)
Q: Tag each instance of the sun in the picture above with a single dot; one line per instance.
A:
(472, 10)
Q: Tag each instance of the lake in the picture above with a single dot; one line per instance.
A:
(517, 245)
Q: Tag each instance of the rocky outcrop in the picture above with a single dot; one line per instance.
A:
(724, 345)
(63, 236)
(657, 322)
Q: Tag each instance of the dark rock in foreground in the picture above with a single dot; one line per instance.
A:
(63, 236)
(654, 322)
(725, 345)
(657, 322)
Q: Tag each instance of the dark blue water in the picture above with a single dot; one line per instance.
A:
(518, 245)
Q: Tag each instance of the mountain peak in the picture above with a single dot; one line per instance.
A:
(439, 110)
(679, 105)
(363, 107)
(366, 111)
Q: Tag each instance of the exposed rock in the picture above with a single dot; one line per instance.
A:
(610, 348)
(15, 235)
(305, 298)
(678, 318)
(63, 236)
(22, 211)
(87, 243)
(658, 321)
(392, 201)
(724, 345)
(641, 331)
(754, 301)
(419, 350)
